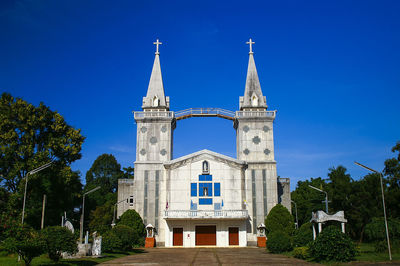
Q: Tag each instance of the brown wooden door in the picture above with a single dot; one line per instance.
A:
(206, 235)
(233, 236)
(178, 237)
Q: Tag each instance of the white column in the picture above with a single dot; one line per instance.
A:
(313, 231)
(319, 228)
(343, 231)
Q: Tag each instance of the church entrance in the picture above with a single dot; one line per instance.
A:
(177, 237)
(233, 236)
(206, 235)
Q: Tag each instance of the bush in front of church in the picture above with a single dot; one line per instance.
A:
(278, 242)
(303, 236)
(332, 245)
(111, 242)
(125, 234)
(59, 239)
(279, 219)
(132, 219)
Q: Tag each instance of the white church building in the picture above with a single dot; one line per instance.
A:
(204, 198)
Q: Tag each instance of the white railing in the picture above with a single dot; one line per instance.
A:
(256, 114)
(149, 114)
(203, 214)
(204, 112)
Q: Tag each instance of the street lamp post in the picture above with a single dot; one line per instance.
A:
(34, 171)
(295, 207)
(83, 212)
(326, 197)
(115, 205)
(383, 203)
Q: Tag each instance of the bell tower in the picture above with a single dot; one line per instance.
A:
(155, 125)
(255, 145)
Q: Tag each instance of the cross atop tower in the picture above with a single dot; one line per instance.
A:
(157, 43)
(250, 43)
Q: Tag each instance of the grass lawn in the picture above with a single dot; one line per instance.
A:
(367, 253)
(44, 260)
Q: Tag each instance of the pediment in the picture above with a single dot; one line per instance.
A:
(205, 155)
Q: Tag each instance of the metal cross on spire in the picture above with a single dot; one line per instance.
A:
(157, 43)
(251, 47)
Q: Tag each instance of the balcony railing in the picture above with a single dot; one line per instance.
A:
(149, 114)
(240, 114)
(203, 214)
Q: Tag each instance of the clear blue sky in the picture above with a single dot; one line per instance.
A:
(330, 68)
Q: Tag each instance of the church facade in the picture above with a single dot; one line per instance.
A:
(204, 198)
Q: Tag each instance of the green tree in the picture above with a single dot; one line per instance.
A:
(30, 137)
(102, 217)
(279, 219)
(129, 172)
(339, 189)
(26, 242)
(307, 199)
(365, 200)
(392, 173)
(59, 239)
(104, 172)
(133, 220)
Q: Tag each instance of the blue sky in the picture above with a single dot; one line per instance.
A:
(330, 69)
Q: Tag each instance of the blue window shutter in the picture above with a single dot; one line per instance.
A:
(193, 190)
(217, 189)
(209, 186)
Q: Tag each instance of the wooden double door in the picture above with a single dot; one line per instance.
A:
(206, 235)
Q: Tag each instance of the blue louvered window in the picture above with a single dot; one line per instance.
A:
(217, 189)
(193, 190)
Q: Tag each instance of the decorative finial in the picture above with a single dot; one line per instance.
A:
(157, 43)
(251, 47)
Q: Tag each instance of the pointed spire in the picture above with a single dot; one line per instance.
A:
(155, 97)
(253, 97)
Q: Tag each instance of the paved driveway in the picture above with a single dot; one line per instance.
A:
(206, 256)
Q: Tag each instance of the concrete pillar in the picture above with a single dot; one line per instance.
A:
(313, 231)
(343, 231)
(319, 228)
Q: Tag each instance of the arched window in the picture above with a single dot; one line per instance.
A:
(155, 101)
(206, 168)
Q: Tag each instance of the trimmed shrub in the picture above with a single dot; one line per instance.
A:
(279, 242)
(111, 242)
(332, 245)
(58, 240)
(132, 219)
(126, 235)
(279, 219)
(303, 235)
(301, 253)
(26, 243)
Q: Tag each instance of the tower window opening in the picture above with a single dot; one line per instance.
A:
(155, 101)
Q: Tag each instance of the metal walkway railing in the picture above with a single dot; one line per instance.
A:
(205, 112)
